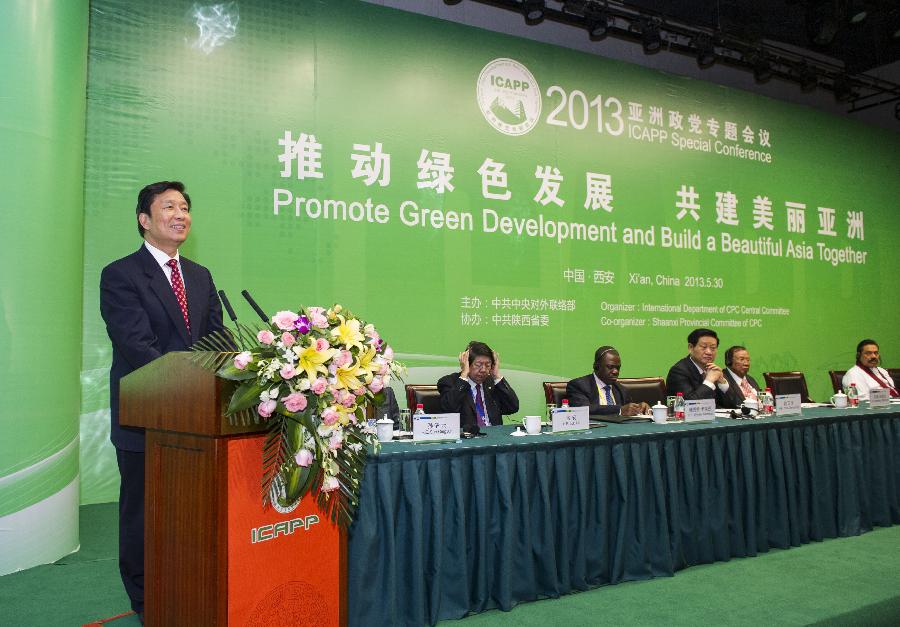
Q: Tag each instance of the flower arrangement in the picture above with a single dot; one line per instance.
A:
(309, 374)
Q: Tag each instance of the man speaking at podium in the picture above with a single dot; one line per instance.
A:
(153, 302)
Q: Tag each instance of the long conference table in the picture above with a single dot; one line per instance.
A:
(444, 530)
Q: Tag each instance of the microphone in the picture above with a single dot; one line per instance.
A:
(256, 308)
(227, 305)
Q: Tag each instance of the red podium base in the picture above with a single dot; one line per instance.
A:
(284, 567)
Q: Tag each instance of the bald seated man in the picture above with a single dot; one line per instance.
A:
(601, 391)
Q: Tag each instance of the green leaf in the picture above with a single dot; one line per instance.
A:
(245, 396)
(230, 372)
(298, 481)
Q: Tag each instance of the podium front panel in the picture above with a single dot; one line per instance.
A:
(286, 566)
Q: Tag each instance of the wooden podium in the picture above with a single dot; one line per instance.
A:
(213, 556)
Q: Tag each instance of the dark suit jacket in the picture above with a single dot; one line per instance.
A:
(456, 396)
(685, 378)
(583, 392)
(143, 321)
(735, 396)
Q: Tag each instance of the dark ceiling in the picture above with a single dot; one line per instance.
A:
(828, 44)
(821, 26)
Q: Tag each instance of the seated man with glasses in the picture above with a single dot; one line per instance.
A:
(741, 386)
(478, 392)
(697, 376)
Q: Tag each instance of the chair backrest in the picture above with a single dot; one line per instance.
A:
(427, 395)
(645, 389)
(555, 391)
(895, 375)
(837, 379)
(793, 382)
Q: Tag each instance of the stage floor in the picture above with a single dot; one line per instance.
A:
(844, 581)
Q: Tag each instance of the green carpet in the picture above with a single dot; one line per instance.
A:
(846, 581)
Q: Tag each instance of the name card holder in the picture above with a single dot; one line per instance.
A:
(435, 427)
(700, 410)
(787, 405)
(572, 419)
(879, 397)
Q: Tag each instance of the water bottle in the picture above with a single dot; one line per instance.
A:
(853, 396)
(767, 403)
(420, 409)
(679, 406)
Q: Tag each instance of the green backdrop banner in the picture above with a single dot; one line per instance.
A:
(454, 184)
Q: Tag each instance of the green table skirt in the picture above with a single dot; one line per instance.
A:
(446, 530)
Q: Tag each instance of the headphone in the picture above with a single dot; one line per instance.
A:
(746, 413)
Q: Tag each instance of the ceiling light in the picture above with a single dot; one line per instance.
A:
(650, 39)
(762, 68)
(807, 78)
(597, 24)
(857, 12)
(533, 10)
(843, 89)
(706, 52)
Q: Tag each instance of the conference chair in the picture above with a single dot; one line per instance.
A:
(793, 382)
(645, 389)
(895, 373)
(837, 379)
(427, 395)
(555, 392)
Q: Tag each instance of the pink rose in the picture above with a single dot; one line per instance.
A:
(295, 402)
(318, 386)
(284, 320)
(336, 441)
(288, 340)
(317, 317)
(304, 457)
(389, 353)
(376, 385)
(287, 371)
(242, 359)
(385, 368)
(322, 344)
(330, 484)
(265, 337)
(349, 401)
(266, 408)
(330, 416)
(360, 391)
(342, 359)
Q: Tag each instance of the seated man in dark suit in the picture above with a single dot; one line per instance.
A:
(600, 390)
(697, 376)
(478, 392)
(388, 408)
(740, 384)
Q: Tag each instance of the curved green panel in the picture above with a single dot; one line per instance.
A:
(43, 52)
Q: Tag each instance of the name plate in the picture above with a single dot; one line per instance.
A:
(879, 397)
(572, 419)
(435, 427)
(700, 410)
(787, 405)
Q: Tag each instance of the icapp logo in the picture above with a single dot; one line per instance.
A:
(509, 96)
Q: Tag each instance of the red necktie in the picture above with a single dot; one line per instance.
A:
(479, 407)
(178, 288)
(748, 391)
